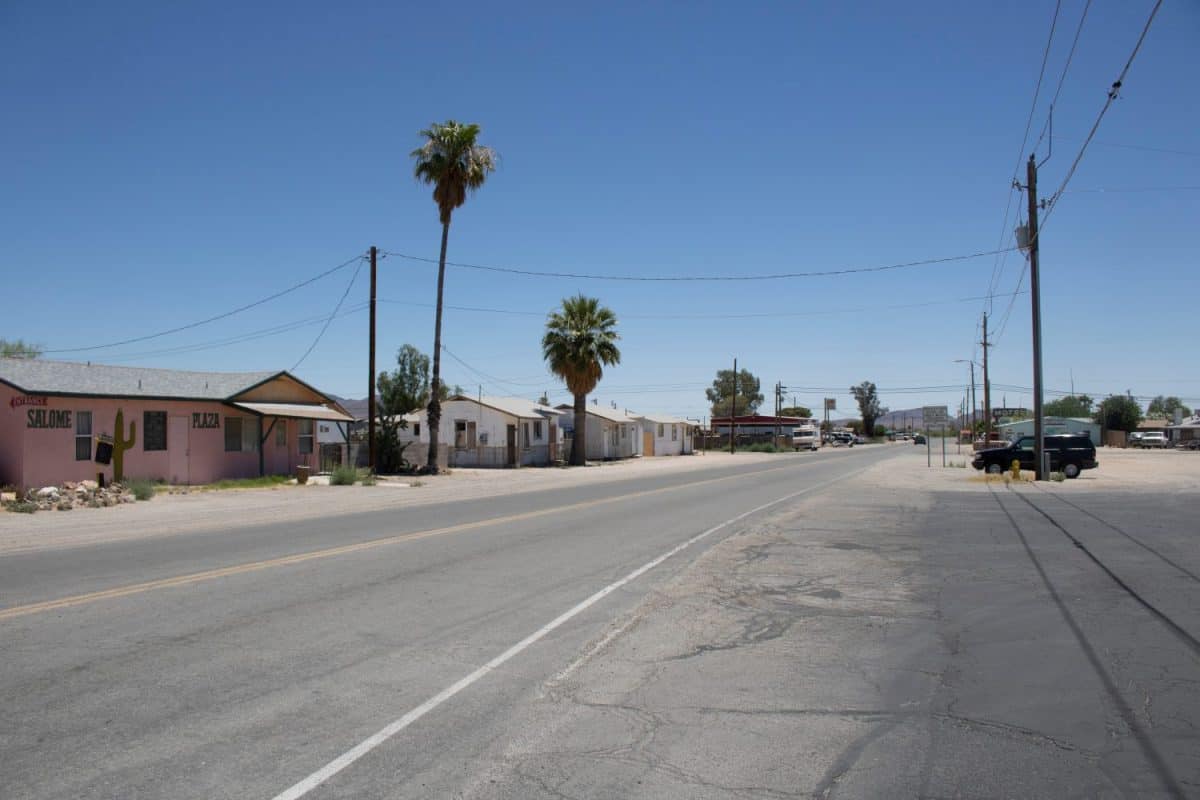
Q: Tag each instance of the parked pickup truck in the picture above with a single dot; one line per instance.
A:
(1070, 453)
(1152, 439)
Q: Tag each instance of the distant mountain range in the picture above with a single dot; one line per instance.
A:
(355, 408)
(900, 419)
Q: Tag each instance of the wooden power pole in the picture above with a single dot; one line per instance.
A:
(371, 378)
(987, 391)
(1035, 287)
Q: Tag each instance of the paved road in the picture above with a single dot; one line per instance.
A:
(848, 625)
(235, 665)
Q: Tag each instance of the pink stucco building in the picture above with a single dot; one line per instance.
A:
(186, 427)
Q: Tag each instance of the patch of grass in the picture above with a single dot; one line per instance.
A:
(368, 478)
(416, 483)
(343, 476)
(23, 507)
(761, 447)
(1057, 477)
(266, 481)
(142, 488)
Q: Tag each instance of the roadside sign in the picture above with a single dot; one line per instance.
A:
(831, 404)
(1008, 412)
(935, 416)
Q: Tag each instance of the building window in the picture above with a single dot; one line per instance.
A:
(233, 434)
(154, 430)
(660, 430)
(464, 434)
(537, 429)
(305, 436)
(674, 433)
(417, 429)
(83, 436)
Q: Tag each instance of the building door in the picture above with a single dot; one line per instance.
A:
(553, 443)
(178, 454)
(647, 443)
(511, 459)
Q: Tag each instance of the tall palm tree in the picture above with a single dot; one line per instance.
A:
(580, 340)
(454, 163)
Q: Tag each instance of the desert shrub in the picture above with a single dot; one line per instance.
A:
(142, 488)
(343, 475)
(23, 507)
(368, 479)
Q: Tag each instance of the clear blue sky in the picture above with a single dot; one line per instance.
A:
(165, 162)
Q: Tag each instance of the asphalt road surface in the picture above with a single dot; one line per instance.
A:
(789, 629)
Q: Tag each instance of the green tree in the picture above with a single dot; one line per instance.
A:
(455, 164)
(402, 391)
(580, 340)
(867, 398)
(18, 348)
(1078, 405)
(1119, 413)
(1165, 407)
(720, 395)
(795, 411)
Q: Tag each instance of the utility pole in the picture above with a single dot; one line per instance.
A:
(987, 389)
(778, 391)
(972, 399)
(733, 413)
(371, 377)
(1035, 288)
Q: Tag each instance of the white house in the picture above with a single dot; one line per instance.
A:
(1050, 427)
(488, 432)
(663, 435)
(611, 432)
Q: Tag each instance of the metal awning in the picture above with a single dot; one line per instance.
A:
(296, 411)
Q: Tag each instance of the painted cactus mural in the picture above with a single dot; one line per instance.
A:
(121, 444)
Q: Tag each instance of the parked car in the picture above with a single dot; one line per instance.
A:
(918, 438)
(1134, 439)
(860, 439)
(1070, 453)
(842, 437)
(1152, 439)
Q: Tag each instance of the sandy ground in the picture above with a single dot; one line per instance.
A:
(1119, 470)
(169, 514)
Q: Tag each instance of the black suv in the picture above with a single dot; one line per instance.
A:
(1069, 453)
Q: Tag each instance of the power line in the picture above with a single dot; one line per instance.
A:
(332, 314)
(702, 278)
(261, 333)
(1113, 93)
(998, 264)
(225, 315)
(1049, 126)
(1134, 189)
(753, 315)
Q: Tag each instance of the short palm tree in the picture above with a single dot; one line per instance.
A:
(580, 340)
(455, 164)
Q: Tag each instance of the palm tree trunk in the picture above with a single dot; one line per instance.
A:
(435, 384)
(579, 439)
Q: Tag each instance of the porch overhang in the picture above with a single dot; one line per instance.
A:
(295, 411)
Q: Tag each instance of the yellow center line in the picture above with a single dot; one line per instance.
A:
(300, 558)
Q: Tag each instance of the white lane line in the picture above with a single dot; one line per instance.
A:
(370, 743)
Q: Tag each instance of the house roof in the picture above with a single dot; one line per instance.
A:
(760, 419)
(611, 414)
(513, 406)
(297, 411)
(663, 419)
(37, 376)
(1192, 422)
